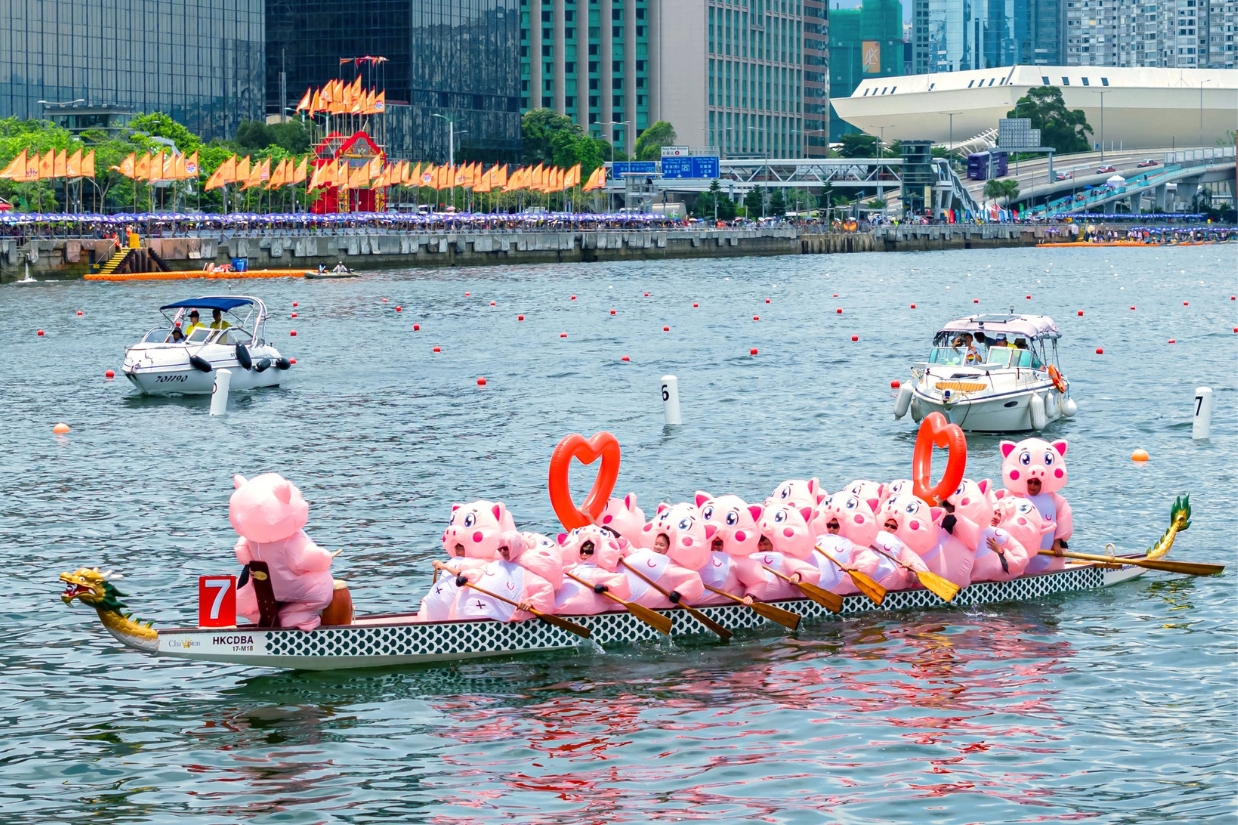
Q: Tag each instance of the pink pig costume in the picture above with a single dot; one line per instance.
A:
(509, 578)
(1038, 459)
(729, 520)
(951, 555)
(624, 517)
(677, 570)
(786, 527)
(1017, 526)
(476, 528)
(576, 599)
(268, 513)
(856, 528)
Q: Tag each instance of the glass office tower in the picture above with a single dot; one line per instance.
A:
(864, 42)
(957, 35)
(198, 60)
(456, 58)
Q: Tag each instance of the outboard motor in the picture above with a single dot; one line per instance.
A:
(200, 363)
(263, 365)
(283, 364)
(242, 357)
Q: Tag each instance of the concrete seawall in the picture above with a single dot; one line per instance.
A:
(72, 258)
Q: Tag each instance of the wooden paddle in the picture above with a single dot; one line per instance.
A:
(648, 615)
(863, 582)
(785, 618)
(722, 632)
(1189, 568)
(570, 627)
(830, 601)
(945, 589)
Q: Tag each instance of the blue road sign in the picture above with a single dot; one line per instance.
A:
(635, 167)
(696, 167)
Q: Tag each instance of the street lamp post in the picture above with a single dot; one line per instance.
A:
(611, 140)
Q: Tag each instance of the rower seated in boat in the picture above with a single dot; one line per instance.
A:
(507, 577)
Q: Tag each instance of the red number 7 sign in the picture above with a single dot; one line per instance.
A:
(216, 601)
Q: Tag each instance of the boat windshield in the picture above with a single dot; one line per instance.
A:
(948, 356)
(1011, 357)
(160, 335)
(235, 335)
(199, 335)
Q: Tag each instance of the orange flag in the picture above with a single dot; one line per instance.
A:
(88, 164)
(515, 181)
(191, 166)
(47, 164)
(218, 178)
(315, 179)
(360, 177)
(16, 170)
(156, 167)
(60, 164)
(305, 101)
(315, 103)
(380, 103)
(277, 177)
(302, 171)
(483, 183)
(264, 171)
(414, 177)
(369, 103)
(73, 166)
(141, 169)
(501, 176)
(179, 170)
(376, 167)
(128, 166)
(240, 173)
(169, 167)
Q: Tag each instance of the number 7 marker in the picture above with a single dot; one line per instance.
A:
(217, 601)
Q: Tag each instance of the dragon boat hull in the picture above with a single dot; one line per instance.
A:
(391, 640)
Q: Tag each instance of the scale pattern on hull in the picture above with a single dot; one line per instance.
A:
(494, 638)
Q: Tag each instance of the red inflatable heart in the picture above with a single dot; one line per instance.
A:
(936, 431)
(602, 444)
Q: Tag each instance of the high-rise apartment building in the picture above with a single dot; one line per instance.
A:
(456, 60)
(735, 74)
(1185, 34)
(864, 42)
(201, 61)
(957, 35)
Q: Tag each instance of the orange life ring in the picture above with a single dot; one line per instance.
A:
(1055, 375)
(936, 431)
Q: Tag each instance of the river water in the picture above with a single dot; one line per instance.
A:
(1110, 706)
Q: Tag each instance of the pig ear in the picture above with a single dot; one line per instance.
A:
(456, 507)
(873, 504)
(237, 481)
(702, 497)
(663, 507)
(498, 512)
(1000, 494)
(881, 492)
(630, 501)
(562, 537)
(755, 510)
(984, 486)
(806, 512)
(1008, 448)
(1060, 446)
(937, 514)
(813, 486)
(283, 491)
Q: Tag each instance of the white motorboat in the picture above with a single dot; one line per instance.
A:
(165, 362)
(991, 374)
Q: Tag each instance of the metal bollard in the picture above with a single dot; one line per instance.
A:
(219, 394)
(1201, 428)
(670, 400)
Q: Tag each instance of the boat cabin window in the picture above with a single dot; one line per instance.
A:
(235, 335)
(158, 336)
(947, 356)
(1000, 356)
(199, 336)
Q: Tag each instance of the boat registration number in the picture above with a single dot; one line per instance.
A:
(163, 379)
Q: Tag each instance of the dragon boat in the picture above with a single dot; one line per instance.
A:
(386, 640)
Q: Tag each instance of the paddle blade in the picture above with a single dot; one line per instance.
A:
(1188, 568)
(570, 627)
(868, 586)
(945, 589)
(722, 632)
(830, 601)
(785, 618)
(651, 617)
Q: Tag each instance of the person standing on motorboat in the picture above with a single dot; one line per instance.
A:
(194, 323)
(217, 320)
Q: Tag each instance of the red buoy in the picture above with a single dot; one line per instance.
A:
(294, 303)
(40, 333)
(1080, 313)
(855, 337)
(695, 305)
(835, 294)
(79, 313)
(753, 351)
(481, 382)
(1132, 309)
(492, 303)
(1172, 341)
(666, 329)
(416, 327)
(913, 306)
(839, 311)
(384, 300)
(895, 384)
(437, 349)
(1184, 303)
(291, 332)
(519, 317)
(399, 309)
(756, 317)
(612, 312)
(292, 360)
(1029, 297)
(1100, 351)
(562, 334)
(573, 297)
(468, 295)
(975, 300)
(109, 374)
(767, 300)
(646, 294)
(625, 358)
(293, 315)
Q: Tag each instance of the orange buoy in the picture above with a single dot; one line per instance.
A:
(61, 428)
(293, 333)
(481, 382)
(1100, 351)
(109, 374)
(895, 384)
(855, 337)
(625, 358)
(752, 351)
(438, 349)
(416, 327)
(1139, 455)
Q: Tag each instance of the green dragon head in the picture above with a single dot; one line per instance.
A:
(93, 588)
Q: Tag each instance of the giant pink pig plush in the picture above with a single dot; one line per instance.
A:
(865, 490)
(919, 527)
(677, 570)
(896, 488)
(601, 567)
(650, 530)
(624, 517)
(885, 572)
(1016, 526)
(732, 531)
(974, 501)
(785, 528)
(508, 577)
(1036, 470)
(471, 541)
(268, 513)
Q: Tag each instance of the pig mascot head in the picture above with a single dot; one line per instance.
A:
(474, 529)
(851, 517)
(913, 521)
(974, 501)
(683, 525)
(732, 520)
(624, 517)
(1035, 462)
(895, 488)
(1021, 519)
(866, 490)
(797, 493)
(532, 556)
(266, 508)
(786, 527)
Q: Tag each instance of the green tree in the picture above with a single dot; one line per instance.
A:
(1066, 130)
(537, 130)
(754, 201)
(161, 125)
(859, 145)
(649, 144)
(777, 202)
(1007, 189)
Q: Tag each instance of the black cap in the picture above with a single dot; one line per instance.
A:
(192, 313)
